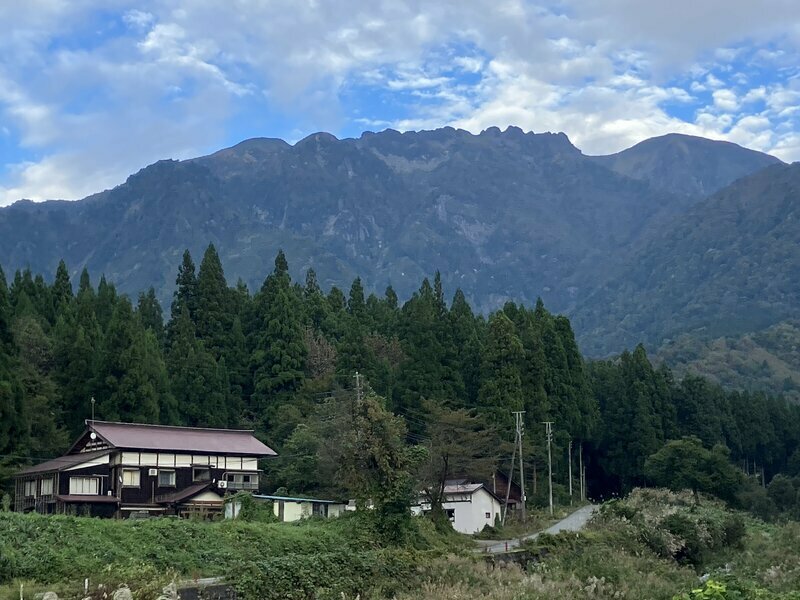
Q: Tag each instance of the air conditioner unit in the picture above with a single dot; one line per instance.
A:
(222, 485)
(152, 472)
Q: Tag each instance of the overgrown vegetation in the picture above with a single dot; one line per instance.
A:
(63, 550)
(653, 544)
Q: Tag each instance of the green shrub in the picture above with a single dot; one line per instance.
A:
(692, 550)
(734, 531)
(8, 564)
(620, 509)
(711, 590)
(344, 574)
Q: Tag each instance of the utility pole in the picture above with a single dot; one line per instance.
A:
(359, 391)
(549, 433)
(569, 456)
(508, 487)
(92, 408)
(580, 470)
(520, 430)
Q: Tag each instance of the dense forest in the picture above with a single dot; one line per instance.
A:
(280, 359)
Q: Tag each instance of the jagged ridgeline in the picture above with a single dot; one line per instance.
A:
(272, 358)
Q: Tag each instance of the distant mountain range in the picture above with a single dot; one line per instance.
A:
(676, 234)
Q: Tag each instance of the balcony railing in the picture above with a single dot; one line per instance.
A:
(242, 485)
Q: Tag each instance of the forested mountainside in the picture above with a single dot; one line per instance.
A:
(275, 359)
(727, 267)
(504, 215)
(768, 359)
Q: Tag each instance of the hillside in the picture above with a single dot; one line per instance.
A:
(726, 267)
(685, 164)
(503, 215)
(767, 360)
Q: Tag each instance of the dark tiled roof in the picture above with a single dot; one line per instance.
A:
(184, 494)
(88, 499)
(64, 462)
(181, 439)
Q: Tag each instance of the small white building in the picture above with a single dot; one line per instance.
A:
(288, 508)
(469, 506)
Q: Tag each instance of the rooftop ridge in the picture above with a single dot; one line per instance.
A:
(90, 422)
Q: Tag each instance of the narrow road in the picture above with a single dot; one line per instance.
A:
(573, 522)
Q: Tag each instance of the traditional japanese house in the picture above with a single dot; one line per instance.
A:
(130, 469)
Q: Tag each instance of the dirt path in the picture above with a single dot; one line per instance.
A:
(573, 522)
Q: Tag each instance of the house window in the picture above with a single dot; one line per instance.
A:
(166, 478)
(488, 515)
(242, 481)
(84, 486)
(201, 474)
(47, 487)
(30, 489)
(451, 513)
(131, 478)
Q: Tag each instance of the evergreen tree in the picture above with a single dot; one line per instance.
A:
(85, 284)
(132, 383)
(105, 303)
(198, 385)
(278, 358)
(501, 388)
(185, 287)
(5, 313)
(316, 308)
(355, 301)
(421, 375)
(213, 316)
(149, 312)
(62, 289)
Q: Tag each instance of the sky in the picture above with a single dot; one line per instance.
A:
(93, 90)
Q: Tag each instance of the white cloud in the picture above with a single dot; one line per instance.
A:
(138, 18)
(725, 100)
(97, 103)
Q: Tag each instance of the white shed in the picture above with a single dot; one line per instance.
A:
(469, 506)
(288, 508)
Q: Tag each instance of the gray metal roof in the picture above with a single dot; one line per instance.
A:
(64, 462)
(180, 439)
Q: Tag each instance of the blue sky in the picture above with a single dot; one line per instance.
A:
(91, 90)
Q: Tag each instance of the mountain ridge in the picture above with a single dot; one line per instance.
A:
(504, 215)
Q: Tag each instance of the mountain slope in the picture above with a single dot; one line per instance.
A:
(630, 250)
(766, 360)
(728, 266)
(504, 215)
(685, 164)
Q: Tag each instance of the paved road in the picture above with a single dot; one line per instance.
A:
(573, 522)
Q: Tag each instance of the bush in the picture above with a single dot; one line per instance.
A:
(332, 575)
(734, 531)
(620, 509)
(8, 564)
(755, 500)
(693, 549)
